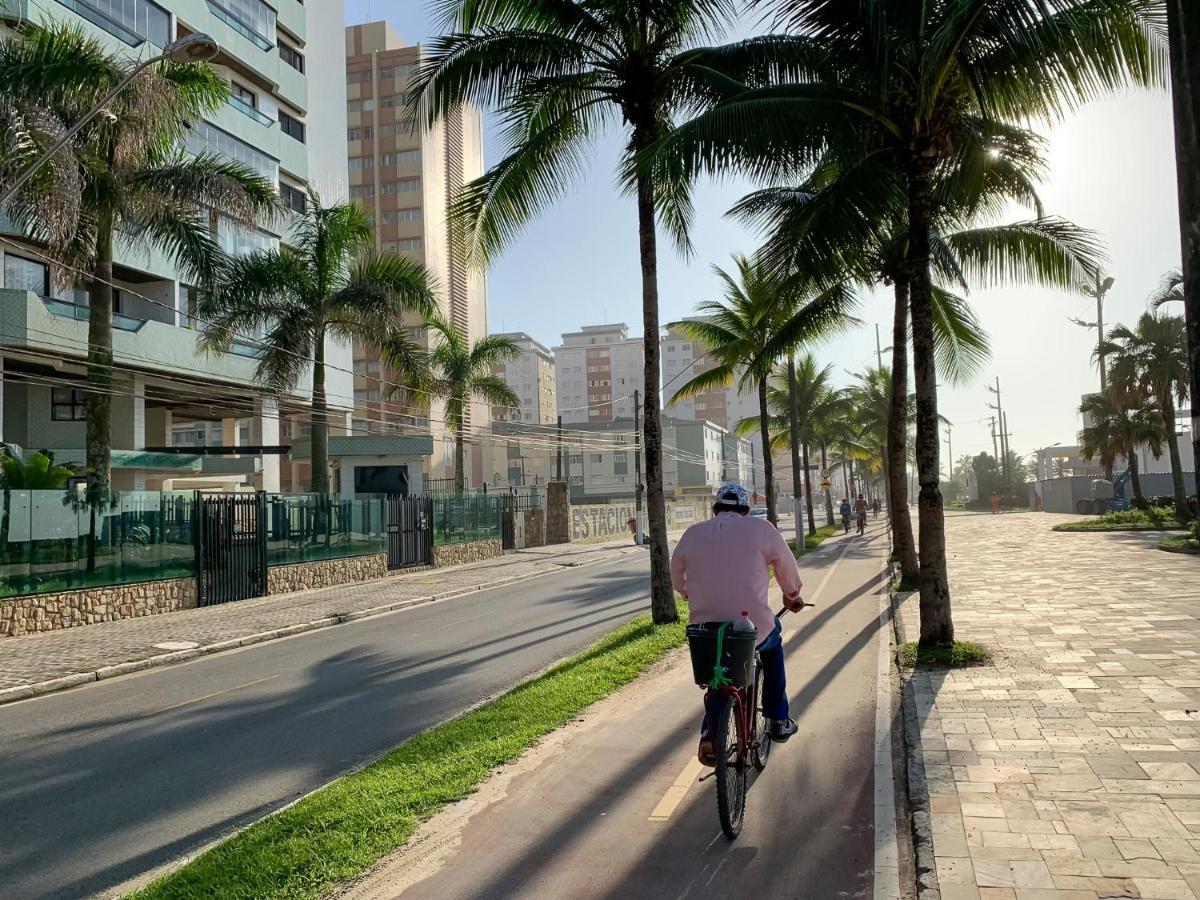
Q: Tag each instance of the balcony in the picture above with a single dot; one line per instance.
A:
(247, 110)
(71, 310)
(132, 21)
(252, 20)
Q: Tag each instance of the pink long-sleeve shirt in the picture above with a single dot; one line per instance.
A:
(720, 567)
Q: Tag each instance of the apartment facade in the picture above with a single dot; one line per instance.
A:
(165, 393)
(532, 378)
(406, 176)
(596, 371)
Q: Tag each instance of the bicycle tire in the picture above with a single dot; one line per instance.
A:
(730, 774)
(760, 740)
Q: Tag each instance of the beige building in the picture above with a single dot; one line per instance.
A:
(531, 377)
(407, 176)
(596, 371)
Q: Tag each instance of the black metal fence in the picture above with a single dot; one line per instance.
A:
(231, 547)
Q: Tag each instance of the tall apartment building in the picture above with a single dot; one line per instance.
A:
(284, 64)
(596, 371)
(407, 175)
(531, 377)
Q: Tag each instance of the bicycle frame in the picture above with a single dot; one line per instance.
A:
(745, 702)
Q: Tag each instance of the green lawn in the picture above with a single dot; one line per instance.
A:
(960, 654)
(333, 835)
(812, 541)
(1130, 520)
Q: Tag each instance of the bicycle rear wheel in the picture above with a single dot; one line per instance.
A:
(731, 774)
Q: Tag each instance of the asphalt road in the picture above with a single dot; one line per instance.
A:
(101, 784)
(616, 812)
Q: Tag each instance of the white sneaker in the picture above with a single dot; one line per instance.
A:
(782, 729)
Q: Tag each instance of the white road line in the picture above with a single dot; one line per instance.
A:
(887, 858)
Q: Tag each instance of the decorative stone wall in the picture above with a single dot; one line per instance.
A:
(558, 513)
(325, 573)
(51, 612)
(457, 554)
(535, 528)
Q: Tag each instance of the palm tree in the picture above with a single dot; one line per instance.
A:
(562, 73)
(456, 372)
(738, 332)
(325, 283)
(915, 87)
(1169, 290)
(1151, 361)
(1120, 423)
(122, 176)
(855, 218)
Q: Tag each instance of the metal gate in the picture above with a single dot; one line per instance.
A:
(231, 547)
(410, 531)
(508, 514)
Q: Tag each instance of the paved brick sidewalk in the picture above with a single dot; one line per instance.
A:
(1071, 769)
(36, 658)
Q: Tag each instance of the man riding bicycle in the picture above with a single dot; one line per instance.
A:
(721, 567)
(860, 513)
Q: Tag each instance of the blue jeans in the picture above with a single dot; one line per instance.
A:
(774, 692)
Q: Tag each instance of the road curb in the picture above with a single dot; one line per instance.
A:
(65, 682)
(918, 788)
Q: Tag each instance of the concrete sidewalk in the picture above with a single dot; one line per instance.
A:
(39, 663)
(1069, 770)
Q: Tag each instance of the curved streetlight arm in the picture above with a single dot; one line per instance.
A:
(192, 48)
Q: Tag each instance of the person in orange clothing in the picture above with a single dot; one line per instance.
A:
(995, 498)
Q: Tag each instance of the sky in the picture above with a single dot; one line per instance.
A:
(1111, 169)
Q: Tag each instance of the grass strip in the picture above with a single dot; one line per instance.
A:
(1180, 545)
(334, 834)
(812, 541)
(1096, 525)
(959, 655)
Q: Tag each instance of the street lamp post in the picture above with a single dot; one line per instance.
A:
(196, 47)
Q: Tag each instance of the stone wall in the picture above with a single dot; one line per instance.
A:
(535, 528)
(558, 513)
(457, 554)
(51, 612)
(325, 573)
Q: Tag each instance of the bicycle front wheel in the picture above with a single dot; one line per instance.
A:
(731, 774)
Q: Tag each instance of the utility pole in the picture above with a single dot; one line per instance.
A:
(950, 450)
(1006, 448)
(560, 448)
(1003, 450)
(878, 351)
(995, 450)
(637, 461)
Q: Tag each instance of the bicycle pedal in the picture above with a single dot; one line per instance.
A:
(706, 777)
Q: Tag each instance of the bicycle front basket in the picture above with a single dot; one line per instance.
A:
(721, 657)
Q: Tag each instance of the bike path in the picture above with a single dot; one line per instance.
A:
(611, 808)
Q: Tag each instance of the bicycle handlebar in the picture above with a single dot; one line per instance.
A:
(785, 609)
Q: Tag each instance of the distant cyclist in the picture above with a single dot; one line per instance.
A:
(876, 506)
(860, 513)
(721, 567)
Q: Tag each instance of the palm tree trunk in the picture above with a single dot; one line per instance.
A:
(1135, 479)
(828, 496)
(320, 419)
(764, 420)
(903, 545)
(662, 594)
(937, 626)
(460, 450)
(1182, 512)
(1183, 26)
(812, 525)
(100, 367)
(794, 436)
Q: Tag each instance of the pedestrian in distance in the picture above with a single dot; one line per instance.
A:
(844, 509)
(995, 498)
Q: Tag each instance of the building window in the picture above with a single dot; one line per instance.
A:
(359, 134)
(293, 197)
(205, 138)
(359, 191)
(403, 186)
(21, 274)
(291, 126)
(250, 18)
(358, 163)
(292, 57)
(129, 20)
(66, 405)
(358, 77)
(244, 94)
(401, 156)
(410, 244)
(361, 105)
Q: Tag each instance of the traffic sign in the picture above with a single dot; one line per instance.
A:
(825, 484)
(825, 475)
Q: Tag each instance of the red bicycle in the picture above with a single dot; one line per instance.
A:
(732, 676)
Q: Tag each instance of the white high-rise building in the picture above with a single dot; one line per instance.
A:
(596, 371)
(285, 64)
(531, 377)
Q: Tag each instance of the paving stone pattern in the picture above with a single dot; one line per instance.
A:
(40, 657)
(1069, 770)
